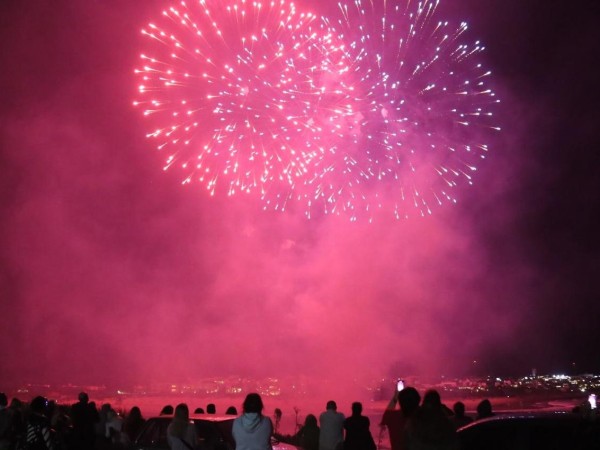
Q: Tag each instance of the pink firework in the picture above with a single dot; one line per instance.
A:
(423, 113)
(380, 108)
(237, 93)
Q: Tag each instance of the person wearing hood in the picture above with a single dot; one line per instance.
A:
(252, 430)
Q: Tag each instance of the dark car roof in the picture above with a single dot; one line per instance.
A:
(207, 417)
(544, 416)
(509, 431)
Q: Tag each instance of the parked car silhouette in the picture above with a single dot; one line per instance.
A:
(531, 431)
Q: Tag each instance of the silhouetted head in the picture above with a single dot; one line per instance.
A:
(459, 409)
(253, 403)
(310, 421)
(181, 419)
(409, 399)
(182, 413)
(332, 405)
(3, 399)
(38, 405)
(167, 409)
(356, 408)
(231, 411)
(277, 413)
(199, 410)
(432, 399)
(135, 413)
(484, 409)
(83, 397)
(111, 415)
(211, 408)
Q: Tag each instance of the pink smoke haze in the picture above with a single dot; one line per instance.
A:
(112, 272)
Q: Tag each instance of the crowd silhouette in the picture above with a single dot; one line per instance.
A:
(412, 424)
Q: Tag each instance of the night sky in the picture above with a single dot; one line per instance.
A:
(112, 272)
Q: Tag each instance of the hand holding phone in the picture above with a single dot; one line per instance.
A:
(400, 385)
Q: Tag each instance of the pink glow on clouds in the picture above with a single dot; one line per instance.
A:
(156, 283)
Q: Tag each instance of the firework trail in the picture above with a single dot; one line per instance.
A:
(379, 107)
(237, 91)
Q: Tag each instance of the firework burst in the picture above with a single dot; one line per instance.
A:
(236, 92)
(380, 107)
(423, 112)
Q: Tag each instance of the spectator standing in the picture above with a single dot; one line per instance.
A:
(252, 430)
(459, 419)
(395, 420)
(114, 428)
(484, 409)
(84, 417)
(181, 434)
(133, 424)
(38, 435)
(6, 432)
(358, 434)
(430, 428)
(61, 424)
(102, 440)
(18, 422)
(332, 428)
(277, 414)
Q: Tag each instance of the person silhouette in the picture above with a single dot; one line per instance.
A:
(459, 419)
(332, 428)
(38, 431)
(307, 437)
(358, 434)
(277, 414)
(252, 430)
(484, 409)
(84, 416)
(396, 420)
(430, 427)
(167, 410)
(6, 431)
(181, 433)
(133, 423)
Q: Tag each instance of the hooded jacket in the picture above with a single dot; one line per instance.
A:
(252, 431)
